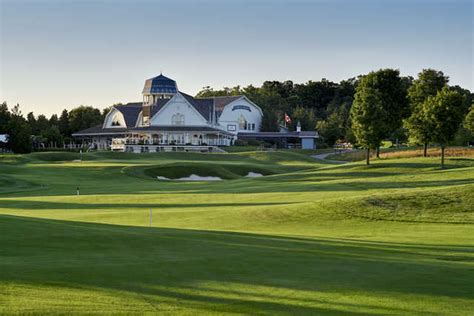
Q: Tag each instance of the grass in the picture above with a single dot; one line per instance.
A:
(309, 238)
(404, 153)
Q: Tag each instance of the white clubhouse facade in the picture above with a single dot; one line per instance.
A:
(170, 120)
(169, 117)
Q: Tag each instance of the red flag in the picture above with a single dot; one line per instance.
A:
(287, 118)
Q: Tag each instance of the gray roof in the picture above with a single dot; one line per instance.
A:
(203, 106)
(158, 105)
(130, 112)
(221, 102)
(303, 134)
(98, 130)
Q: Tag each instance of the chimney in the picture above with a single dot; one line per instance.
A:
(298, 127)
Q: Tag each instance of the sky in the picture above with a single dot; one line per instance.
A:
(62, 54)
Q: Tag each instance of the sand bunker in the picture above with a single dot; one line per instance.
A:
(254, 175)
(195, 177)
(192, 177)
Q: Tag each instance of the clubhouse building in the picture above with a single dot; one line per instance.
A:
(170, 120)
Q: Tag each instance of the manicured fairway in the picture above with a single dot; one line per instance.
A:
(309, 238)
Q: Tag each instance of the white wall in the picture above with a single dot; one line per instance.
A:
(178, 104)
(234, 110)
(115, 114)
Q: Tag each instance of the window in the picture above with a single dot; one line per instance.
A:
(242, 122)
(116, 121)
(231, 128)
(177, 119)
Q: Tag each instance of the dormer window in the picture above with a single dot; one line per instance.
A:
(116, 121)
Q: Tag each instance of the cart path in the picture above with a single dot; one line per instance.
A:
(323, 158)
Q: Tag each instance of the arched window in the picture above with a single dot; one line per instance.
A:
(177, 119)
(242, 122)
(116, 121)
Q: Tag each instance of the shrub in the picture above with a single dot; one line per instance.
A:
(254, 142)
(240, 142)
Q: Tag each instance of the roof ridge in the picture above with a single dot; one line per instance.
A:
(220, 96)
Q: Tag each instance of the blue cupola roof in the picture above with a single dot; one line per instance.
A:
(160, 84)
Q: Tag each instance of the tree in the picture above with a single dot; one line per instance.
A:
(269, 122)
(428, 84)
(19, 132)
(5, 117)
(469, 120)
(53, 120)
(42, 125)
(63, 123)
(331, 129)
(393, 95)
(30, 118)
(53, 135)
(84, 117)
(305, 116)
(316, 95)
(445, 113)
(366, 113)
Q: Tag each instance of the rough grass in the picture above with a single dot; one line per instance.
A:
(316, 239)
(405, 153)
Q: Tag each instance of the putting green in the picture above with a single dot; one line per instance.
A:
(309, 238)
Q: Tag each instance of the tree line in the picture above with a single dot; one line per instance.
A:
(381, 105)
(364, 110)
(27, 133)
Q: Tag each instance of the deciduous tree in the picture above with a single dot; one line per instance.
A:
(445, 113)
(428, 84)
(366, 114)
(84, 117)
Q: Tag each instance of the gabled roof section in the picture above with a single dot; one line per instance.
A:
(203, 106)
(158, 105)
(130, 112)
(221, 102)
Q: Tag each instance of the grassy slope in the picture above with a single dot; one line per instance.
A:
(394, 238)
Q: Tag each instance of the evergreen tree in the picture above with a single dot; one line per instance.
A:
(19, 132)
(42, 125)
(63, 123)
(30, 118)
(5, 117)
(53, 120)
